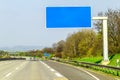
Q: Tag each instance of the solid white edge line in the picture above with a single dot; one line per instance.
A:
(86, 72)
(91, 75)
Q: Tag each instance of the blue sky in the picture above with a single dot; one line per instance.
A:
(22, 22)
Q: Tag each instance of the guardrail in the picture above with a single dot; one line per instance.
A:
(107, 69)
(4, 59)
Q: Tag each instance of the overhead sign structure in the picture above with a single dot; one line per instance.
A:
(76, 17)
(68, 17)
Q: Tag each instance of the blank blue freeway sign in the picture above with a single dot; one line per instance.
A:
(68, 17)
(46, 54)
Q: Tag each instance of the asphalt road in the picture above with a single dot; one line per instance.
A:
(73, 73)
(44, 70)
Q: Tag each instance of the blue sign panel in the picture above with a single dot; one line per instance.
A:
(46, 55)
(68, 17)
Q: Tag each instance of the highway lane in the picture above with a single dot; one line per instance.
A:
(28, 70)
(6, 67)
(9, 67)
(44, 70)
(73, 73)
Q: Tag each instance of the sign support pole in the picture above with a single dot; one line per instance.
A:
(105, 37)
(105, 40)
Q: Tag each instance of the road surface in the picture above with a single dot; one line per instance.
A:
(44, 70)
(73, 73)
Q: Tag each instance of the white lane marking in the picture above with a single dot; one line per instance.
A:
(17, 68)
(10, 62)
(47, 66)
(52, 69)
(6, 63)
(23, 64)
(91, 75)
(58, 75)
(55, 72)
(8, 74)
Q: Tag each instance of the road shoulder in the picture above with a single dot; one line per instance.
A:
(93, 72)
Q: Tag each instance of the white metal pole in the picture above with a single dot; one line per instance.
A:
(105, 40)
(105, 37)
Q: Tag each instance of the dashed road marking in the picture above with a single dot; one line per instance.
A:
(58, 75)
(17, 68)
(47, 66)
(52, 69)
(8, 74)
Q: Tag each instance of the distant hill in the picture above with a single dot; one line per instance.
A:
(21, 48)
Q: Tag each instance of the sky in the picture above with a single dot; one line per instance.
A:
(22, 22)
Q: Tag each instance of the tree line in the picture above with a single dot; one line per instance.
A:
(4, 54)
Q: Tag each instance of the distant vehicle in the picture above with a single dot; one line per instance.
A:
(34, 59)
(55, 58)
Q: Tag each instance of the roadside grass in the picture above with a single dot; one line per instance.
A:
(114, 59)
(97, 68)
(89, 59)
(6, 56)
